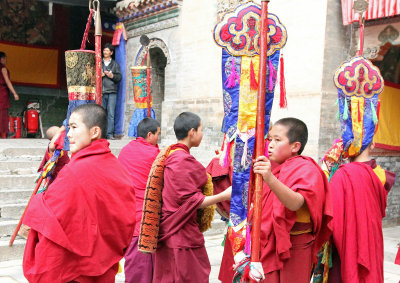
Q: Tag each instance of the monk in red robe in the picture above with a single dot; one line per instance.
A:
(61, 162)
(137, 157)
(83, 224)
(181, 255)
(359, 192)
(397, 260)
(296, 208)
(226, 271)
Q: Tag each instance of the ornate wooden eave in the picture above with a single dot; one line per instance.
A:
(130, 11)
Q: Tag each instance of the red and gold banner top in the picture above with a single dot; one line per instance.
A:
(239, 31)
(359, 77)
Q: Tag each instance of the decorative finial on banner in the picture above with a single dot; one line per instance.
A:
(359, 7)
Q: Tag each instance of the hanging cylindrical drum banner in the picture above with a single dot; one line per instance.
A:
(81, 81)
(140, 95)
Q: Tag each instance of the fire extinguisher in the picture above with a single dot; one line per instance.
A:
(32, 117)
(18, 125)
(11, 126)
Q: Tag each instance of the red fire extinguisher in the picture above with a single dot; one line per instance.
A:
(31, 118)
(11, 128)
(31, 121)
(18, 125)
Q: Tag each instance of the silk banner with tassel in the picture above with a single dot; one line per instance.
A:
(238, 33)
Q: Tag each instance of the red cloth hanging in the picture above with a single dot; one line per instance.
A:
(282, 98)
(376, 9)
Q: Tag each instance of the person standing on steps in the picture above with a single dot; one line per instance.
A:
(111, 74)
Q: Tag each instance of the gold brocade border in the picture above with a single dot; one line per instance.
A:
(142, 105)
(82, 89)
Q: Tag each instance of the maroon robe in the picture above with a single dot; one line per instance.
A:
(359, 203)
(288, 257)
(137, 157)
(181, 255)
(83, 224)
(4, 101)
(222, 179)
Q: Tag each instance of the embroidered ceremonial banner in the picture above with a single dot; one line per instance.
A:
(32, 65)
(359, 84)
(388, 134)
(238, 34)
(139, 77)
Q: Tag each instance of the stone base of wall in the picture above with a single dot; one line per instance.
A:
(392, 163)
(210, 111)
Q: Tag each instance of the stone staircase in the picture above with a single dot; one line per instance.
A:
(19, 160)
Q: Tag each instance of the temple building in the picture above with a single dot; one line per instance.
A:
(186, 63)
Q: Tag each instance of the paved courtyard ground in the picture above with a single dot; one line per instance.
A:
(11, 271)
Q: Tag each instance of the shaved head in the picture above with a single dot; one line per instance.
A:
(93, 115)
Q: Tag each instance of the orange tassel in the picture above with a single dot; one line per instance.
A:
(253, 82)
(282, 100)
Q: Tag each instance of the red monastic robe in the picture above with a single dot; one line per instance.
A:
(181, 255)
(137, 157)
(397, 260)
(278, 254)
(82, 225)
(359, 203)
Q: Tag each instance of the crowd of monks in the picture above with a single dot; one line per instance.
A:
(90, 216)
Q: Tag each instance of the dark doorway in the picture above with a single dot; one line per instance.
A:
(158, 63)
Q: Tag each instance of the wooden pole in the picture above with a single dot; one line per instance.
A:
(260, 131)
(39, 182)
(361, 51)
(98, 34)
(148, 82)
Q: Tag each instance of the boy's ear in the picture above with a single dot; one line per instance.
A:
(296, 147)
(95, 133)
(191, 132)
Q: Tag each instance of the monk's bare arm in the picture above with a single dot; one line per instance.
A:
(52, 146)
(289, 198)
(210, 200)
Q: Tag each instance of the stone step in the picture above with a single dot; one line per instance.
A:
(12, 211)
(16, 251)
(391, 242)
(390, 247)
(18, 181)
(7, 227)
(18, 167)
(15, 196)
(24, 152)
(217, 227)
(34, 154)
